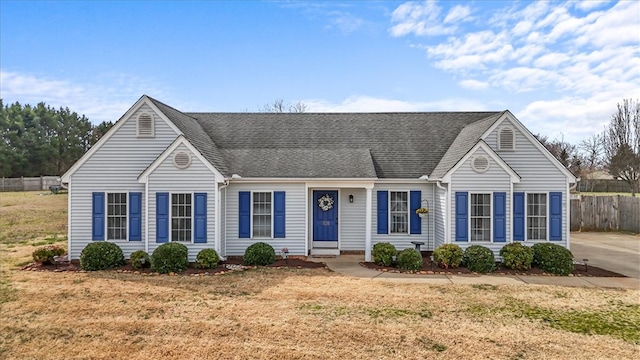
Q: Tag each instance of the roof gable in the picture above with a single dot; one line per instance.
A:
(515, 178)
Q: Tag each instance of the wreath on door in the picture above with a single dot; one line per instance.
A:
(325, 202)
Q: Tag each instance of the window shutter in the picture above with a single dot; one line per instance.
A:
(518, 216)
(462, 219)
(383, 212)
(415, 201)
(200, 218)
(97, 223)
(555, 216)
(162, 217)
(244, 221)
(135, 216)
(278, 214)
(500, 217)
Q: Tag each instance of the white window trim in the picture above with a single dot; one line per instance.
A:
(106, 216)
(153, 126)
(490, 193)
(526, 217)
(408, 233)
(251, 216)
(193, 199)
(499, 137)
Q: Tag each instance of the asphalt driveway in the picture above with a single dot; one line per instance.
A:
(611, 251)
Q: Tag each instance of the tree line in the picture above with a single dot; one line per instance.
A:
(40, 140)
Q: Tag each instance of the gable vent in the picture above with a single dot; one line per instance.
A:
(480, 164)
(182, 160)
(506, 139)
(145, 125)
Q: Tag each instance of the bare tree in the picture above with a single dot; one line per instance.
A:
(566, 153)
(278, 106)
(592, 149)
(622, 144)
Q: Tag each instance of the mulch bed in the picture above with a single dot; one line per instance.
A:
(231, 264)
(430, 268)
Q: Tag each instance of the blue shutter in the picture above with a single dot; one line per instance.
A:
(278, 214)
(244, 221)
(162, 217)
(518, 216)
(555, 216)
(462, 218)
(135, 216)
(383, 212)
(416, 221)
(97, 223)
(200, 218)
(500, 217)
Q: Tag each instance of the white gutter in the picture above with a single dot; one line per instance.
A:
(146, 215)
(447, 225)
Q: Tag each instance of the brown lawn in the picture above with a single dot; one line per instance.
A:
(298, 314)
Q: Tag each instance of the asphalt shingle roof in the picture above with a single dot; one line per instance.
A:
(332, 145)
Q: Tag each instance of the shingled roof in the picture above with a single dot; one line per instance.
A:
(332, 145)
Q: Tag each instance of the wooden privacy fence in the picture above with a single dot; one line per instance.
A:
(603, 185)
(606, 213)
(28, 183)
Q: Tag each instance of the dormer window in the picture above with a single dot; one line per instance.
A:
(506, 138)
(145, 125)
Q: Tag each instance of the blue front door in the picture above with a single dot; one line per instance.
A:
(325, 215)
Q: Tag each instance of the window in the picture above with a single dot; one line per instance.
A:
(144, 125)
(399, 206)
(262, 214)
(536, 216)
(116, 216)
(480, 217)
(506, 138)
(181, 217)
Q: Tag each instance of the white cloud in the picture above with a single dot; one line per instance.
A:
(374, 104)
(344, 21)
(418, 18)
(589, 5)
(472, 84)
(458, 13)
(98, 101)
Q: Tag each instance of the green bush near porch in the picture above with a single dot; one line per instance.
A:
(479, 259)
(170, 257)
(448, 256)
(259, 253)
(410, 259)
(517, 256)
(383, 254)
(553, 258)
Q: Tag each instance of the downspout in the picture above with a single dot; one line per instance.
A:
(447, 225)
(218, 234)
(568, 219)
(146, 215)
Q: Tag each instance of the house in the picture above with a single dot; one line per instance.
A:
(315, 183)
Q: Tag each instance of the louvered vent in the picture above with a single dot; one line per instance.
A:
(182, 160)
(506, 139)
(480, 164)
(145, 125)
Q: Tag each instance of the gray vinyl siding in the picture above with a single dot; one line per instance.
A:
(495, 179)
(294, 238)
(439, 210)
(114, 167)
(197, 178)
(403, 241)
(352, 219)
(538, 174)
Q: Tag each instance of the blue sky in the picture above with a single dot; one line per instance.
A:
(560, 67)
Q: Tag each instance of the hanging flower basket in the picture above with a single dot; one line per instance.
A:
(422, 212)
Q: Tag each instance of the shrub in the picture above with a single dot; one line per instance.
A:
(517, 256)
(46, 254)
(383, 253)
(553, 258)
(169, 257)
(139, 259)
(410, 259)
(100, 256)
(259, 254)
(448, 256)
(479, 259)
(207, 259)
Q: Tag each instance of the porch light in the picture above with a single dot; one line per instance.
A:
(351, 198)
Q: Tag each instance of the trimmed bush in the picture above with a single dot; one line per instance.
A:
(553, 258)
(479, 259)
(46, 254)
(383, 253)
(100, 256)
(139, 259)
(259, 254)
(448, 256)
(169, 257)
(207, 259)
(410, 259)
(517, 256)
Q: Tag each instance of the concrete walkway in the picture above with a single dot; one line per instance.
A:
(350, 265)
